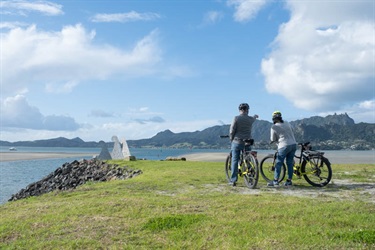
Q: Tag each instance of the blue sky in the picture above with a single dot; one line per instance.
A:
(94, 69)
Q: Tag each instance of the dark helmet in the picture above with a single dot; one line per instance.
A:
(244, 106)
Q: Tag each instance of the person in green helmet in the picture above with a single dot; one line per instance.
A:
(282, 134)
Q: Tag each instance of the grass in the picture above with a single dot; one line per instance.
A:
(187, 205)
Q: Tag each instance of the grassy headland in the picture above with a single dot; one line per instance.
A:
(188, 205)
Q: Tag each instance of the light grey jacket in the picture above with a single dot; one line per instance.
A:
(282, 133)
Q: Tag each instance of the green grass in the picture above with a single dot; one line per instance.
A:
(188, 205)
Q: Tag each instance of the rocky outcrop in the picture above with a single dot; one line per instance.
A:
(71, 175)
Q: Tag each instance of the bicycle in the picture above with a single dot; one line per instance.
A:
(312, 165)
(248, 166)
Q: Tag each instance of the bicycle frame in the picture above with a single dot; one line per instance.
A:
(248, 167)
(311, 164)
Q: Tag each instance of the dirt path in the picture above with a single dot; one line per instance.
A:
(336, 190)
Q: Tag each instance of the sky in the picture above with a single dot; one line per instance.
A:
(94, 69)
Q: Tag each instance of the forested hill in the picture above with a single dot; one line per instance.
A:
(330, 132)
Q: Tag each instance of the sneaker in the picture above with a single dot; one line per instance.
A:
(233, 184)
(273, 183)
(288, 183)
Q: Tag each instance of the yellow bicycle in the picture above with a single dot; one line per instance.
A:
(248, 166)
(312, 165)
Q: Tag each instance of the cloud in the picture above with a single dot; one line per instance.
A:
(125, 17)
(323, 58)
(11, 25)
(23, 7)
(245, 10)
(60, 59)
(61, 88)
(17, 113)
(100, 113)
(212, 17)
(362, 111)
(155, 119)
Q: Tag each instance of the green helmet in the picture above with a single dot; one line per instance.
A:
(276, 115)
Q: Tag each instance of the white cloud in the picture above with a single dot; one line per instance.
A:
(17, 113)
(246, 10)
(212, 17)
(100, 113)
(125, 17)
(31, 56)
(323, 57)
(61, 88)
(22, 7)
(11, 25)
(362, 111)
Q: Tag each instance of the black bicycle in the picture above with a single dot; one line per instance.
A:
(312, 165)
(248, 166)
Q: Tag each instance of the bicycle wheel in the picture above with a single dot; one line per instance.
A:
(317, 171)
(267, 169)
(250, 171)
(228, 170)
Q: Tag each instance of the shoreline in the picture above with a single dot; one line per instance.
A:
(24, 156)
(333, 158)
(345, 158)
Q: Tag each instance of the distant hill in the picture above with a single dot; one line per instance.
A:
(55, 142)
(330, 132)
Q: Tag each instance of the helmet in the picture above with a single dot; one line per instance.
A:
(244, 106)
(276, 114)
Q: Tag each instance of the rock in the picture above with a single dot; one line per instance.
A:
(175, 159)
(74, 174)
(130, 158)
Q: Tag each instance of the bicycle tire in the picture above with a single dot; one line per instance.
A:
(250, 170)
(267, 169)
(317, 170)
(228, 169)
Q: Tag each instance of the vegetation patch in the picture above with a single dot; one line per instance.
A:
(359, 236)
(173, 222)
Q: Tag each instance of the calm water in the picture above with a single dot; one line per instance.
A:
(15, 175)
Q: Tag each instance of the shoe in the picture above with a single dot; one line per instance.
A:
(273, 183)
(288, 183)
(233, 184)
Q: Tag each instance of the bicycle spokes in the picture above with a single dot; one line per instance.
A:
(317, 171)
(250, 171)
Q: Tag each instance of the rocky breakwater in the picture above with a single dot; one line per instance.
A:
(71, 175)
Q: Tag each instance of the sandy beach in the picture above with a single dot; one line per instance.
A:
(348, 157)
(22, 156)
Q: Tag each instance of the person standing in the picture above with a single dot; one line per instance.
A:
(240, 130)
(282, 134)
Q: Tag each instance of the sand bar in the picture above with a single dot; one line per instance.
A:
(345, 157)
(22, 156)
(349, 157)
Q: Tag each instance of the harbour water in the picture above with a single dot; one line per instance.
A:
(15, 175)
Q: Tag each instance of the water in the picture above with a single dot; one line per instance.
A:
(15, 175)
